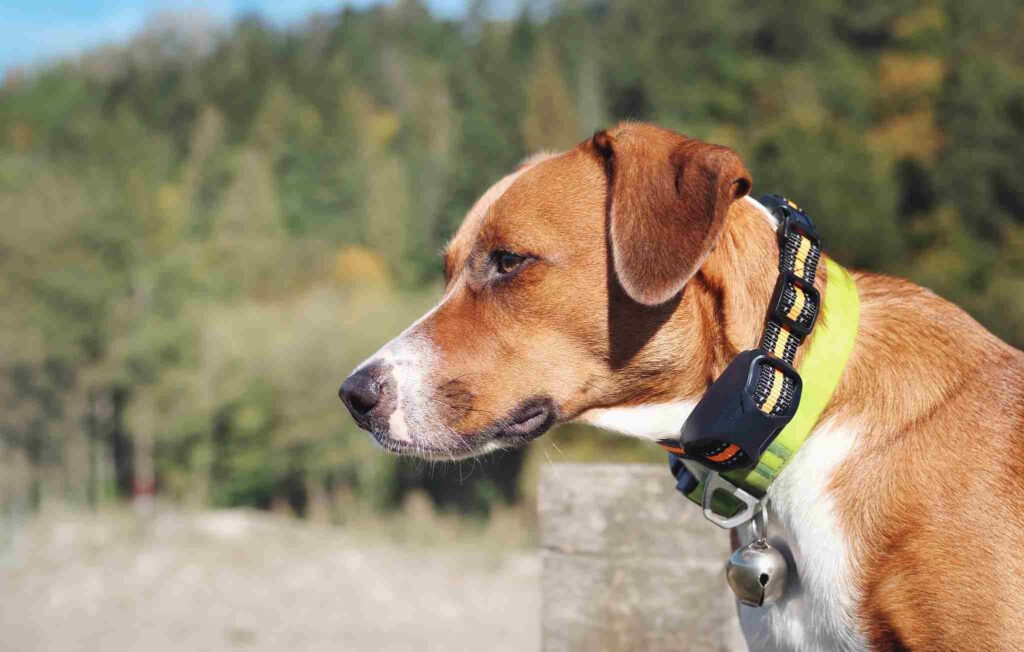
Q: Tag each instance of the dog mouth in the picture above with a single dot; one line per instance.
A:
(531, 419)
(451, 453)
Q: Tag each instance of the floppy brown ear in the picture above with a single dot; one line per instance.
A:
(669, 195)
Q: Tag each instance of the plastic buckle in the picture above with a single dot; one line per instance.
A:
(728, 413)
(686, 482)
(792, 219)
(775, 305)
(715, 482)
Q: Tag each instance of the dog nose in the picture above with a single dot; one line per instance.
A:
(363, 392)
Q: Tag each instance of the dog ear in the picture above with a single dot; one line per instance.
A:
(668, 197)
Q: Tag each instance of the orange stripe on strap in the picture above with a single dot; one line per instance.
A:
(724, 455)
(780, 343)
(801, 256)
(798, 304)
(773, 395)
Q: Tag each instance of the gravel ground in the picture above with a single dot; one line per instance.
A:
(238, 580)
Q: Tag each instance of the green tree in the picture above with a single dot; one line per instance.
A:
(551, 120)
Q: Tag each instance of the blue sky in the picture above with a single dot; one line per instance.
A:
(33, 31)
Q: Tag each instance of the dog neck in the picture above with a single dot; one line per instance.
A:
(729, 297)
(721, 314)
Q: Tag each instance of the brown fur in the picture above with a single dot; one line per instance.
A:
(932, 498)
(668, 200)
(940, 402)
(587, 344)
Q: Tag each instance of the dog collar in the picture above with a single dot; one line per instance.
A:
(756, 415)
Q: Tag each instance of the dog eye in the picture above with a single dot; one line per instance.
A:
(506, 262)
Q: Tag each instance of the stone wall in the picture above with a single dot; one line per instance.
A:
(630, 564)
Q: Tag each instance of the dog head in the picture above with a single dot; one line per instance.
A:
(565, 295)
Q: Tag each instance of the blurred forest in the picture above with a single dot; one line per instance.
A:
(207, 227)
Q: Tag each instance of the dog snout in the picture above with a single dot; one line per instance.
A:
(367, 394)
(361, 393)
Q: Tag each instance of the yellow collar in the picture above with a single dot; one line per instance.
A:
(821, 369)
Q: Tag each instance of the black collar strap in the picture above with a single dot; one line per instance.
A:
(757, 395)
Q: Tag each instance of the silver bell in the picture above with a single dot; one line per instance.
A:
(757, 572)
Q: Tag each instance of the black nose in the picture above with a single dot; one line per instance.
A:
(361, 392)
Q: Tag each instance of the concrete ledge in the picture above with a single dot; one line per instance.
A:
(629, 564)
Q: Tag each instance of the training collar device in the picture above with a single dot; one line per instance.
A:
(754, 417)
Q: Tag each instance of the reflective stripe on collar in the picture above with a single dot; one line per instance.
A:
(821, 369)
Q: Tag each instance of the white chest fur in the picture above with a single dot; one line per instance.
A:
(817, 612)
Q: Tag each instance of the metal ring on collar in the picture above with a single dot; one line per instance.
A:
(751, 505)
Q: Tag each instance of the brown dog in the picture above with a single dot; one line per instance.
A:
(614, 282)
